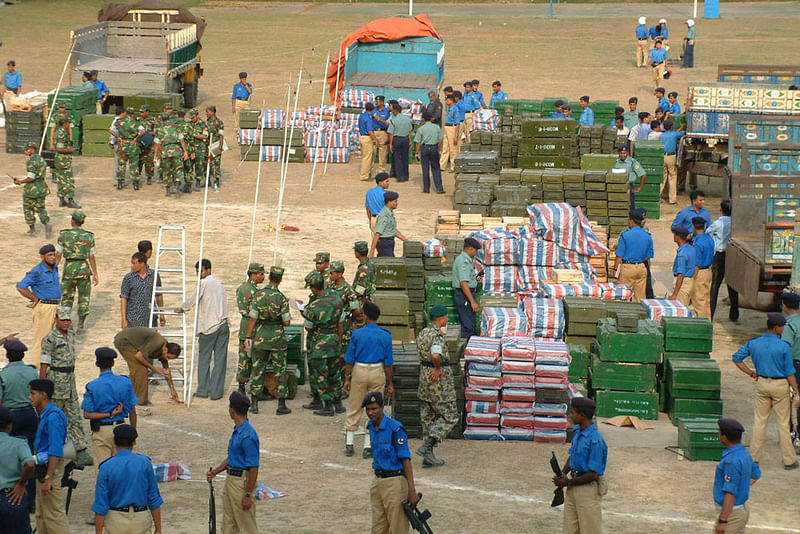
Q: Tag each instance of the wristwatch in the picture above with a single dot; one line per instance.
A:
(248, 495)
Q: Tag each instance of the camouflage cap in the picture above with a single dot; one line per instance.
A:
(144, 107)
(256, 268)
(130, 109)
(65, 314)
(31, 145)
(362, 247)
(277, 271)
(322, 257)
(212, 107)
(194, 113)
(78, 216)
(62, 104)
(167, 106)
(314, 277)
(337, 266)
(164, 115)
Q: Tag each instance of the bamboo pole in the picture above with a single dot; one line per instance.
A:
(258, 185)
(335, 107)
(55, 96)
(319, 129)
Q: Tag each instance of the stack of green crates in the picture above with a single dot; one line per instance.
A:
(650, 155)
(439, 290)
(604, 111)
(602, 162)
(96, 136)
(596, 196)
(476, 177)
(505, 144)
(276, 137)
(510, 200)
(453, 246)
(619, 202)
(532, 178)
(699, 439)
(547, 143)
(597, 139)
(23, 127)
(581, 357)
(415, 282)
(391, 296)
(553, 185)
(155, 99)
(80, 101)
(575, 187)
(623, 372)
(582, 315)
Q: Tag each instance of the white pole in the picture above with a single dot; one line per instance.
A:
(335, 107)
(189, 384)
(258, 183)
(55, 96)
(285, 155)
(319, 129)
(410, 8)
(694, 11)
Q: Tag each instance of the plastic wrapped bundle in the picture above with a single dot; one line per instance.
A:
(355, 98)
(481, 407)
(272, 118)
(485, 237)
(485, 382)
(433, 249)
(316, 137)
(500, 280)
(518, 381)
(517, 434)
(337, 155)
(518, 367)
(484, 433)
(552, 371)
(516, 421)
(485, 369)
(503, 251)
(567, 226)
(481, 394)
(658, 308)
(613, 291)
(535, 251)
(547, 382)
(519, 395)
(482, 349)
(530, 277)
(485, 120)
(545, 317)
(550, 410)
(519, 348)
(541, 422)
(483, 419)
(522, 408)
(559, 291)
(271, 153)
(549, 436)
(572, 391)
(503, 322)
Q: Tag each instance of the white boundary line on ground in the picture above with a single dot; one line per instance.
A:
(458, 487)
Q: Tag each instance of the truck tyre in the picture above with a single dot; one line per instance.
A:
(190, 95)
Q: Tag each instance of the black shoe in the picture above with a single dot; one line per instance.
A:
(426, 192)
(282, 408)
(315, 404)
(31, 229)
(326, 411)
(149, 180)
(792, 466)
(119, 186)
(264, 396)
(61, 202)
(348, 451)
(81, 322)
(136, 185)
(367, 453)
(442, 192)
(338, 407)
(242, 388)
(426, 451)
(72, 204)
(254, 406)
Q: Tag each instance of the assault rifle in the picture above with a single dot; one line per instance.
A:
(417, 519)
(558, 493)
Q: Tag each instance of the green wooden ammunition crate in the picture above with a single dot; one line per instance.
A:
(390, 273)
(545, 145)
(553, 196)
(643, 346)
(548, 128)
(583, 310)
(681, 409)
(553, 187)
(596, 186)
(97, 122)
(622, 376)
(531, 176)
(582, 329)
(618, 197)
(643, 405)
(585, 341)
(579, 366)
(686, 355)
(577, 187)
(595, 195)
(392, 303)
(551, 396)
(510, 175)
(512, 193)
(543, 162)
(412, 249)
(97, 150)
(699, 439)
(96, 136)
(693, 379)
(476, 194)
(598, 161)
(687, 334)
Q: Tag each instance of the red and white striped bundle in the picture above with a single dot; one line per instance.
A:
(271, 153)
(518, 381)
(522, 408)
(573, 392)
(272, 118)
(516, 421)
(500, 280)
(613, 291)
(549, 409)
(552, 371)
(502, 251)
(502, 322)
(483, 419)
(433, 249)
(339, 138)
(487, 382)
(337, 155)
(559, 291)
(658, 308)
(316, 137)
(567, 226)
(547, 382)
(521, 348)
(485, 120)
(549, 436)
(480, 394)
(519, 395)
(472, 406)
(355, 98)
(550, 423)
(536, 251)
(516, 434)
(552, 352)
(519, 367)
(482, 349)
(483, 433)
(485, 369)
(545, 317)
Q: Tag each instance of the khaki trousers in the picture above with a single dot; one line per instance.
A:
(129, 522)
(642, 51)
(658, 74)
(365, 378)
(582, 511)
(51, 518)
(236, 520)
(372, 221)
(386, 496)
(685, 293)
(44, 316)
(772, 395)
(367, 155)
(737, 520)
(103, 449)
(451, 148)
(468, 125)
(701, 294)
(382, 136)
(137, 373)
(635, 277)
(670, 180)
(239, 105)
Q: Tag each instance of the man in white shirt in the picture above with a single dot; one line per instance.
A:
(639, 132)
(213, 333)
(720, 232)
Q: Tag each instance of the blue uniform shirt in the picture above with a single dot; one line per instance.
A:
(674, 108)
(452, 117)
(733, 475)
(375, 201)
(772, 356)
(499, 95)
(635, 245)
(42, 282)
(101, 87)
(469, 102)
(670, 140)
(477, 100)
(641, 32)
(589, 451)
(587, 117)
(13, 80)
(105, 392)
(381, 114)
(663, 104)
(240, 93)
(126, 479)
(370, 344)
(685, 261)
(684, 217)
(703, 249)
(389, 444)
(365, 123)
(51, 433)
(658, 55)
(557, 115)
(462, 111)
(243, 447)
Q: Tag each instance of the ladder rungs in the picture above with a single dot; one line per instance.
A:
(169, 290)
(172, 227)
(165, 312)
(170, 270)
(170, 249)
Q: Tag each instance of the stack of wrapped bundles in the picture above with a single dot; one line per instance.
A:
(658, 308)
(268, 136)
(332, 145)
(433, 252)
(482, 399)
(485, 120)
(498, 258)
(545, 316)
(352, 101)
(502, 322)
(552, 384)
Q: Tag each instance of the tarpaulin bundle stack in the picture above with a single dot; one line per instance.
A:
(545, 316)
(658, 308)
(271, 119)
(498, 247)
(567, 226)
(433, 249)
(529, 277)
(482, 395)
(612, 291)
(560, 291)
(320, 155)
(536, 251)
(518, 393)
(550, 422)
(500, 280)
(334, 140)
(271, 153)
(349, 119)
(485, 120)
(482, 349)
(355, 98)
(502, 322)
(552, 370)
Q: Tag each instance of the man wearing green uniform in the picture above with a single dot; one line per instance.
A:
(364, 280)
(437, 393)
(76, 246)
(35, 192)
(465, 281)
(791, 333)
(322, 262)
(386, 228)
(400, 129)
(147, 157)
(58, 365)
(128, 131)
(428, 142)
(351, 313)
(198, 149)
(634, 171)
(323, 321)
(216, 132)
(266, 339)
(244, 298)
(171, 145)
(62, 112)
(63, 164)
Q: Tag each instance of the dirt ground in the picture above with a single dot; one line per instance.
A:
(484, 486)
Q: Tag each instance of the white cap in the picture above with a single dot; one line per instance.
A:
(689, 22)
(662, 21)
(642, 20)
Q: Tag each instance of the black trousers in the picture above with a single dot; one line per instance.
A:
(688, 56)
(14, 517)
(429, 154)
(385, 247)
(400, 158)
(24, 426)
(631, 187)
(465, 314)
(718, 273)
(648, 289)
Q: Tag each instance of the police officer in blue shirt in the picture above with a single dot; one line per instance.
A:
(380, 117)
(126, 489)
(642, 48)
(658, 61)
(240, 97)
(704, 255)
(366, 140)
(696, 209)
(774, 376)
(478, 101)
(51, 435)
(391, 462)
(674, 106)
(42, 288)
(588, 455)
(669, 138)
(461, 107)
(662, 102)
(497, 93)
(368, 367)
(587, 115)
(12, 81)
(374, 202)
(634, 248)
(239, 511)
(736, 472)
(558, 113)
(684, 266)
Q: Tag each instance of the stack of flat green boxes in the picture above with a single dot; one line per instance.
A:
(510, 200)
(582, 314)
(603, 111)
(596, 195)
(546, 144)
(391, 296)
(295, 359)
(619, 202)
(650, 155)
(453, 246)
(80, 101)
(598, 162)
(415, 282)
(23, 127)
(476, 177)
(96, 136)
(504, 143)
(439, 290)
(248, 120)
(597, 139)
(623, 371)
(156, 100)
(699, 439)
(692, 380)
(533, 179)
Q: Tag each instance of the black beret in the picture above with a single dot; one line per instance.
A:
(776, 318)
(127, 432)
(582, 402)
(636, 215)
(6, 417)
(681, 231)
(472, 242)
(381, 176)
(390, 195)
(730, 424)
(105, 353)
(792, 300)
(242, 74)
(44, 385)
(372, 397)
(380, 97)
(239, 399)
(46, 248)
(620, 148)
(698, 220)
(15, 345)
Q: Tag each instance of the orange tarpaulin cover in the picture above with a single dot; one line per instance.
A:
(391, 29)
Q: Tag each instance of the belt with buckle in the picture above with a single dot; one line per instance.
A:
(429, 364)
(69, 369)
(380, 473)
(669, 153)
(245, 99)
(49, 301)
(773, 377)
(234, 472)
(111, 423)
(633, 262)
(128, 508)
(6, 491)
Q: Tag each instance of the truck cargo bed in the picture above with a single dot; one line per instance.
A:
(127, 65)
(389, 79)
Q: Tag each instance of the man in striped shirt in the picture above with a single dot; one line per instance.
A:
(720, 231)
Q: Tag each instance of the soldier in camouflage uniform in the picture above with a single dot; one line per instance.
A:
(128, 131)
(76, 245)
(351, 313)
(216, 131)
(364, 280)
(244, 296)
(324, 324)
(35, 192)
(322, 260)
(437, 394)
(63, 165)
(62, 113)
(171, 147)
(58, 365)
(147, 156)
(198, 149)
(266, 339)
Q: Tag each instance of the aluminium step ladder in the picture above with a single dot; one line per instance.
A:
(172, 245)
